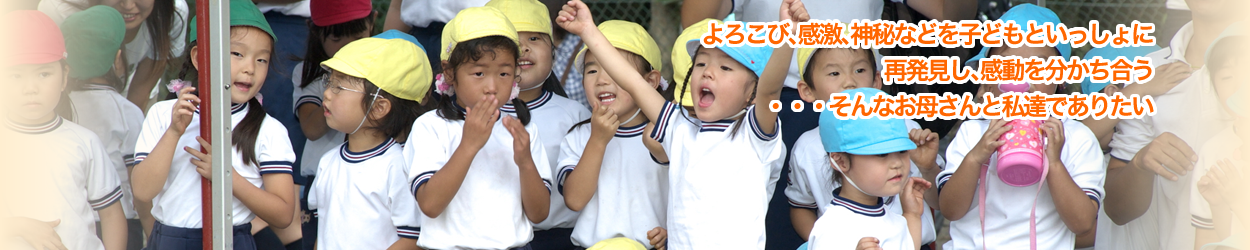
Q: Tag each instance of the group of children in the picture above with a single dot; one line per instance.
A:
(487, 153)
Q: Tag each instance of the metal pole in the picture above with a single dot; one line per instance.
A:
(205, 93)
(222, 207)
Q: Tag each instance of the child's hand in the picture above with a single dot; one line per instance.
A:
(1232, 180)
(913, 196)
(794, 11)
(1053, 131)
(477, 125)
(989, 141)
(1169, 76)
(658, 237)
(1211, 188)
(520, 140)
(39, 234)
(604, 124)
(203, 161)
(925, 154)
(868, 243)
(575, 17)
(184, 110)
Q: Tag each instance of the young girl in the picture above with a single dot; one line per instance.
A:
(876, 167)
(1065, 202)
(723, 167)
(606, 172)
(93, 38)
(544, 96)
(61, 179)
(833, 70)
(361, 198)
(329, 31)
(477, 173)
(170, 165)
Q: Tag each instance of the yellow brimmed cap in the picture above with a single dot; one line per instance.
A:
(618, 243)
(473, 23)
(682, 60)
(630, 37)
(376, 60)
(526, 15)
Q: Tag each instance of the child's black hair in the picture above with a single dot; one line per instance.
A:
(553, 85)
(738, 124)
(807, 71)
(1227, 51)
(643, 68)
(403, 113)
(316, 53)
(244, 135)
(473, 50)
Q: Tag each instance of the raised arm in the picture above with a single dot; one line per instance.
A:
(771, 81)
(576, 18)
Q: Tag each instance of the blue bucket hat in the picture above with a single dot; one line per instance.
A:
(396, 34)
(754, 58)
(1110, 53)
(863, 136)
(1022, 14)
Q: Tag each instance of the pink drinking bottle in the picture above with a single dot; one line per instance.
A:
(1020, 159)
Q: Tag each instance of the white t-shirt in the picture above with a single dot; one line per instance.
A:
(554, 115)
(300, 8)
(117, 122)
(1008, 207)
(843, 10)
(486, 212)
(178, 203)
(1134, 235)
(811, 180)
(313, 149)
(64, 174)
(362, 200)
(847, 221)
(720, 180)
(632, 194)
(420, 13)
(1192, 112)
(142, 46)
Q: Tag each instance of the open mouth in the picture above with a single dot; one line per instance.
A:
(706, 98)
(130, 17)
(525, 63)
(606, 98)
(243, 86)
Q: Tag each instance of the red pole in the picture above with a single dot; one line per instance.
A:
(206, 109)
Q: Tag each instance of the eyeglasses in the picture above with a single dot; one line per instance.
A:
(336, 88)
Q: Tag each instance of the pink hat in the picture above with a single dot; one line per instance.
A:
(331, 12)
(34, 39)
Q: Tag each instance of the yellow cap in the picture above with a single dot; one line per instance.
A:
(473, 23)
(374, 59)
(805, 56)
(618, 243)
(682, 59)
(526, 15)
(630, 37)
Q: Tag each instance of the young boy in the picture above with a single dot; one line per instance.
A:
(832, 70)
(63, 179)
(1066, 202)
(875, 165)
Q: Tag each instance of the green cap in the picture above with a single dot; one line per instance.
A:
(92, 39)
(242, 13)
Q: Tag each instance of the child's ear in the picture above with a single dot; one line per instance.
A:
(876, 82)
(653, 78)
(843, 161)
(806, 92)
(381, 108)
(195, 57)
